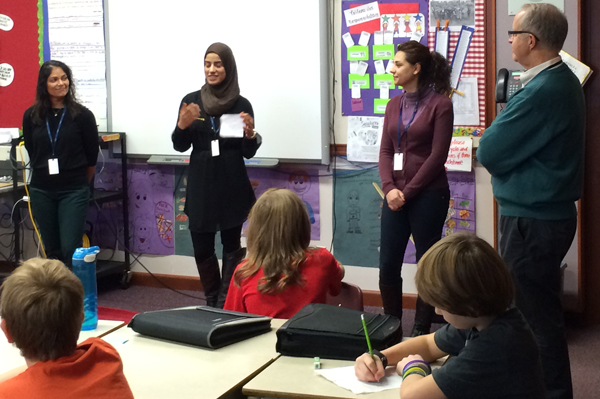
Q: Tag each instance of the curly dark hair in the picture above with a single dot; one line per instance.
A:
(435, 70)
(43, 105)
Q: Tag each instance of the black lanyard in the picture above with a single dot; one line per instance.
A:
(412, 118)
(53, 141)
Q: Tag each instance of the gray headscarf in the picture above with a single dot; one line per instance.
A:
(218, 99)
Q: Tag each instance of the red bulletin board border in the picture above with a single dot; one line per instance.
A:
(21, 48)
(475, 62)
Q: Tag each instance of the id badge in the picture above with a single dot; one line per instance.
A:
(214, 148)
(53, 166)
(398, 161)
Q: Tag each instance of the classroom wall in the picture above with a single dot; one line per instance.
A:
(365, 277)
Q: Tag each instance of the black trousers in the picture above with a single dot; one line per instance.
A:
(204, 243)
(533, 250)
(423, 217)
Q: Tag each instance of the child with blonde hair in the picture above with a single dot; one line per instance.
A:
(281, 273)
(42, 311)
(493, 351)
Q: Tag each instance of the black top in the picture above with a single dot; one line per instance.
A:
(219, 194)
(76, 148)
(501, 361)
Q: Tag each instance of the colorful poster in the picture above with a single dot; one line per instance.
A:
(461, 210)
(151, 209)
(399, 20)
(357, 223)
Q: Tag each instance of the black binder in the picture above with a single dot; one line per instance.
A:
(202, 326)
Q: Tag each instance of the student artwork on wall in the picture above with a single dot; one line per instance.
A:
(367, 84)
(357, 229)
(369, 42)
(151, 209)
(303, 181)
(461, 210)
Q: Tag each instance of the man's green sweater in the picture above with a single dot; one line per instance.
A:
(534, 149)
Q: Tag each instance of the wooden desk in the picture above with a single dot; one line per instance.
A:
(157, 368)
(10, 356)
(295, 377)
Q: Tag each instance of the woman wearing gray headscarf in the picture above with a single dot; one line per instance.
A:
(219, 194)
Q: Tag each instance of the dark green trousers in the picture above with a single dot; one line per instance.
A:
(60, 217)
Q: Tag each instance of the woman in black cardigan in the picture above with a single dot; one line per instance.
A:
(61, 138)
(219, 194)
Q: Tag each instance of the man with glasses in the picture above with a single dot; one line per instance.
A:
(534, 152)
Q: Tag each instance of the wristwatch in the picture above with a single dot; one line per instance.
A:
(381, 357)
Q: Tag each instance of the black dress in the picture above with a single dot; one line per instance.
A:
(219, 194)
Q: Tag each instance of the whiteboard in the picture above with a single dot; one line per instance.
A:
(155, 56)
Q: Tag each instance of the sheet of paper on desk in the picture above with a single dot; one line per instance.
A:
(345, 378)
(232, 125)
(115, 341)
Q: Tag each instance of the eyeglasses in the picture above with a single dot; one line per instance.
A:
(513, 33)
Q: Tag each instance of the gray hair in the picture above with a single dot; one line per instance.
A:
(547, 22)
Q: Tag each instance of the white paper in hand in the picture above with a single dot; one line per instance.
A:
(232, 126)
(345, 378)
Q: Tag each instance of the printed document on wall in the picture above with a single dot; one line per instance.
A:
(364, 137)
(466, 108)
(76, 37)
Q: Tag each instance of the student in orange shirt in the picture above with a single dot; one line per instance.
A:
(42, 311)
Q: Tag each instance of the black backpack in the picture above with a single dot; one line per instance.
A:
(333, 332)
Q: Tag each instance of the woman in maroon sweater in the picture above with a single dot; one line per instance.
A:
(412, 173)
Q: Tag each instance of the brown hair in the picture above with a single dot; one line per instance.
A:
(278, 235)
(464, 275)
(435, 70)
(42, 304)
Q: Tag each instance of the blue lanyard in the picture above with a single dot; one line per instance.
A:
(53, 142)
(412, 118)
(212, 121)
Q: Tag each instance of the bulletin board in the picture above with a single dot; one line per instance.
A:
(405, 18)
(20, 57)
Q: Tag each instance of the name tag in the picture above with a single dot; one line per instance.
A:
(214, 148)
(398, 161)
(53, 166)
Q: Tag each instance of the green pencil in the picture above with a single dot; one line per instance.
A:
(362, 317)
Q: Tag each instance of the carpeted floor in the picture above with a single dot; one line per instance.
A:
(584, 343)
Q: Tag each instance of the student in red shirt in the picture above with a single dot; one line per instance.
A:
(42, 312)
(281, 273)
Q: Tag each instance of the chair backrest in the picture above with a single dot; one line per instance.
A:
(350, 297)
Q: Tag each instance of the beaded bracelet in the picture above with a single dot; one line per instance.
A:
(425, 366)
(414, 370)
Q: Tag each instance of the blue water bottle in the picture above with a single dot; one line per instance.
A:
(84, 267)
